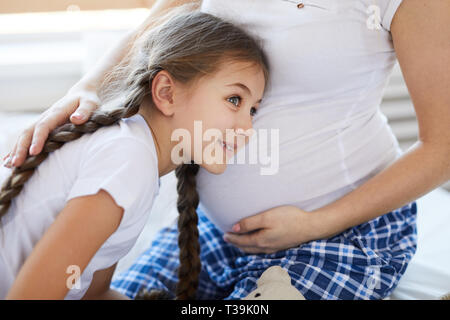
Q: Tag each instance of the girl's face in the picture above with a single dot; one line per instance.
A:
(219, 109)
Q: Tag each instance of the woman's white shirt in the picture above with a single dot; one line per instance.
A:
(330, 63)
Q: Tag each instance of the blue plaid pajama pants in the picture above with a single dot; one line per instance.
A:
(363, 262)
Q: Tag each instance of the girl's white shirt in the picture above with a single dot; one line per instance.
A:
(330, 63)
(120, 159)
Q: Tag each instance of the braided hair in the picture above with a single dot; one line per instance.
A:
(69, 132)
(187, 44)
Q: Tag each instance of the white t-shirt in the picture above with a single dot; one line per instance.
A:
(120, 159)
(330, 63)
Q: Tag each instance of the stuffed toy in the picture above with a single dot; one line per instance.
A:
(275, 284)
(446, 296)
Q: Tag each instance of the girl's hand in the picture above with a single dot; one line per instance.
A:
(78, 104)
(276, 229)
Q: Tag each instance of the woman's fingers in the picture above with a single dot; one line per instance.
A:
(7, 160)
(77, 105)
(8, 163)
(251, 223)
(89, 102)
(48, 122)
(6, 157)
(20, 150)
(84, 111)
(254, 242)
(32, 140)
(40, 135)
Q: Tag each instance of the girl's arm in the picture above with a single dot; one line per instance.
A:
(99, 288)
(77, 233)
(81, 100)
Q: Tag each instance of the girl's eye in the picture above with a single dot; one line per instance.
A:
(235, 100)
(253, 111)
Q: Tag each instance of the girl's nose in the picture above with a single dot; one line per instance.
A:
(244, 122)
(243, 130)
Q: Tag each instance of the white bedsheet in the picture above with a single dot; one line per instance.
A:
(428, 274)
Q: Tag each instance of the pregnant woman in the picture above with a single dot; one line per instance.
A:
(339, 214)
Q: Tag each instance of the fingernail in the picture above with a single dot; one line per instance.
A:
(78, 116)
(14, 161)
(32, 149)
(6, 162)
(225, 238)
(236, 228)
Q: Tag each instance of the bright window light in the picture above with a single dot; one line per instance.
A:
(71, 20)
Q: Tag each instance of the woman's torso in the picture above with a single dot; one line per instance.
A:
(329, 67)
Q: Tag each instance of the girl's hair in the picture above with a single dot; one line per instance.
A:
(188, 44)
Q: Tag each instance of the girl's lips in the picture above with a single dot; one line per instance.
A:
(228, 146)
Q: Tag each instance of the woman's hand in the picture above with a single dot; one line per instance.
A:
(78, 104)
(82, 98)
(276, 229)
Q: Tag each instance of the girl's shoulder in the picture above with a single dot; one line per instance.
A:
(122, 160)
(130, 133)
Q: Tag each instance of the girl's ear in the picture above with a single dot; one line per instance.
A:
(163, 87)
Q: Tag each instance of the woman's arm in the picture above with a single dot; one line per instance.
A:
(421, 39)
(81, 100)
(95, 76)
(74, 237)
(422, 43)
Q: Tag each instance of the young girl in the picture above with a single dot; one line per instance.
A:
(70, 213)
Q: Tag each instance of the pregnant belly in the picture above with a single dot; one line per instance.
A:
(242, 190)
(308, 180)
(226, 203)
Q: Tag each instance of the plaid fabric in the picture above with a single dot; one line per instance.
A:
(364, 262)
